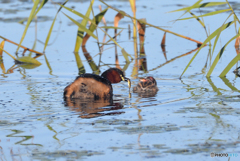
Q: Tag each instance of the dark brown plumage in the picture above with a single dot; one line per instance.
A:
(147, 85)
(94, 86)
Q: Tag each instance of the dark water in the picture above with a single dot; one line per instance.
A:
(187, 119)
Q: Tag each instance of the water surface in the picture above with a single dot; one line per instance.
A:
(187, 119)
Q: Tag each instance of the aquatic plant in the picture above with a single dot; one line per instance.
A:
(216, 34)
(139, 25)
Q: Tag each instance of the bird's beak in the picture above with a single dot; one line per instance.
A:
(127, 80)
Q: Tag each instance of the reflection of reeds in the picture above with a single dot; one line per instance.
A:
(2, 65)
(129, 31)
(92, 27)
(133, 7)
(163, 46)
(117, 18)
(104, 37)
(237, 43)
(89, 58)
(1, 47)
(142, 56)
(83, 40)
(218, 89)
(216, 34)
(141, 31)
(80, 32)
(140, 59)
(103, 19)
(9, 71)
(24, 138)
(125, 54)
(174, 59)
(134, 18)
(229, 84)
(26, 62)
(135, 67)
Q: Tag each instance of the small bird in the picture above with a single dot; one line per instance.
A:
(146, 85)
(94, 86)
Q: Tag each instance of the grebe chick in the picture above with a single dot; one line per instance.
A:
(146, 85)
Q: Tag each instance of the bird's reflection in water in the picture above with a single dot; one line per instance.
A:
(88, 108)
(146, 95)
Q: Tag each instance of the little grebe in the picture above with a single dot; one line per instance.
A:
(94, 86)
(146, 85)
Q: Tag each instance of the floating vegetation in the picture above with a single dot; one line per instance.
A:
(209, 147)
(70, 154)
(148, 151)
(7, 123)
(115, 122)
(148, 129)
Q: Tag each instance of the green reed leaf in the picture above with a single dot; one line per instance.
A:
(110, 38)
(78, 14)
(81, 69)
(132, 3)
(92, 28)
(230, 65)
(218, 35)
(1, 47)
(82, 27)
(214, 115)
(191, 7)
(40, 7)
(208, 4)
(80, 32)
(197, 18)
(207, 14)
(125, 55)
(233, 11)
(97, 19)
(34, 46)
(210, 37)
(48, 64)
(219, 56)
(7, 53)
(144, 22)
(27, 60)
(111, 27)
(51, 28)
(28, 66)
(31, 16)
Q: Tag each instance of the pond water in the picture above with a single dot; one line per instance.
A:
(187, 119)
